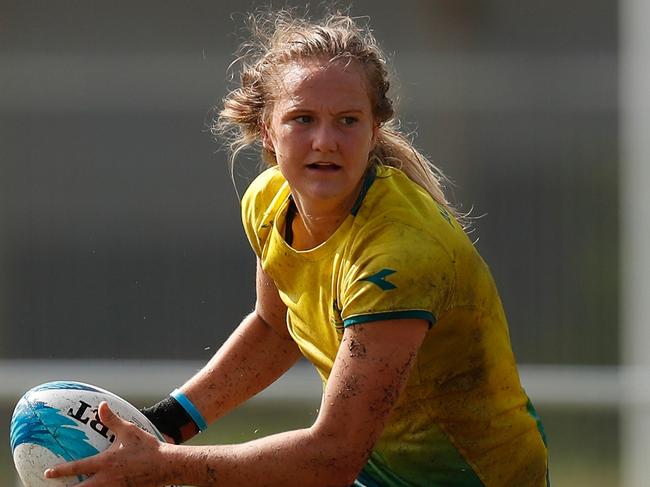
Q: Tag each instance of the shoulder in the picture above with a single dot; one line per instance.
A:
(264, 187)
(260, 203)
(400, 228)
(412, 252)
(397, 211)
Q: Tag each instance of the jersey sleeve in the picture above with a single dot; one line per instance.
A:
(257, 208)
(397, 272)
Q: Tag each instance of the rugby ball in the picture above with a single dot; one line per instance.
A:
(58, 422)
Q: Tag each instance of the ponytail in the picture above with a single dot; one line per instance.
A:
(394, 149)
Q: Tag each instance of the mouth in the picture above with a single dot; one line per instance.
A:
(323, 166)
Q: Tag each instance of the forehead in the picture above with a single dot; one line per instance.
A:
(339, 82)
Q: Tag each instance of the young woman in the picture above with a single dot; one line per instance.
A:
(363, 269)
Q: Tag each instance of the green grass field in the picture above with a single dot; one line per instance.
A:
(583, 445)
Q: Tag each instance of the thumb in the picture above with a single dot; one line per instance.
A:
(109, 418)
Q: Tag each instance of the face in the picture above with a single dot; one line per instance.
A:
(321, 130)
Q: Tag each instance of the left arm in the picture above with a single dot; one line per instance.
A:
(371, 368)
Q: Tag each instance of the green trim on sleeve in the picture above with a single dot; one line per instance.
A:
(390, 315)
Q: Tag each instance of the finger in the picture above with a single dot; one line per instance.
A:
(87, 466)
(92, 464)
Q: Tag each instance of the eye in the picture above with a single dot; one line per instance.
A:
(303, 119)
(349, 120)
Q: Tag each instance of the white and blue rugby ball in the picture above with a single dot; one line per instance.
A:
(57, 422)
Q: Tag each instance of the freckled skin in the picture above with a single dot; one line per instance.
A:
(323, 115)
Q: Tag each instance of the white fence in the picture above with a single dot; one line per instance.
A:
(558, 385)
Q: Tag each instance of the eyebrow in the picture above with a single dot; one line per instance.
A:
(299, 108)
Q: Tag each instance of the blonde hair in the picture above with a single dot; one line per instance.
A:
(279, 38)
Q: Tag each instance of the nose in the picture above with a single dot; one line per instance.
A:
(324, 138)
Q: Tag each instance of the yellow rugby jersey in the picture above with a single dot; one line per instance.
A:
(463, 418)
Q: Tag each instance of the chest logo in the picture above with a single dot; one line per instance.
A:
(380, 279)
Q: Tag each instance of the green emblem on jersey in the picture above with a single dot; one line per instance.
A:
(380, 279)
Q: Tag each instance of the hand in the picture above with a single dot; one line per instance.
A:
(135, 459)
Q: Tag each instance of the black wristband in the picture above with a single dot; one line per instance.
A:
(171, 419)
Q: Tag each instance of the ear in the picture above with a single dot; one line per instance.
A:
(267, 140)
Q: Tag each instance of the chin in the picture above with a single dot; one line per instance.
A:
(327, 193)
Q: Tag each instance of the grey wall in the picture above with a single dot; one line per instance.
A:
(119, 224)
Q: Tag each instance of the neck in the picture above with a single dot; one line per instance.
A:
(316, 223)
(317, 220)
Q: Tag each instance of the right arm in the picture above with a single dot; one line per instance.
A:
(258, 352)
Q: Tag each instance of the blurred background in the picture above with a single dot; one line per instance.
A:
(122, 257)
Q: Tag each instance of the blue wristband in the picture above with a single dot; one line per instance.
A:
(190, 409)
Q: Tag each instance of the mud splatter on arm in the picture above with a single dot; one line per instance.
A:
(372, 366)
